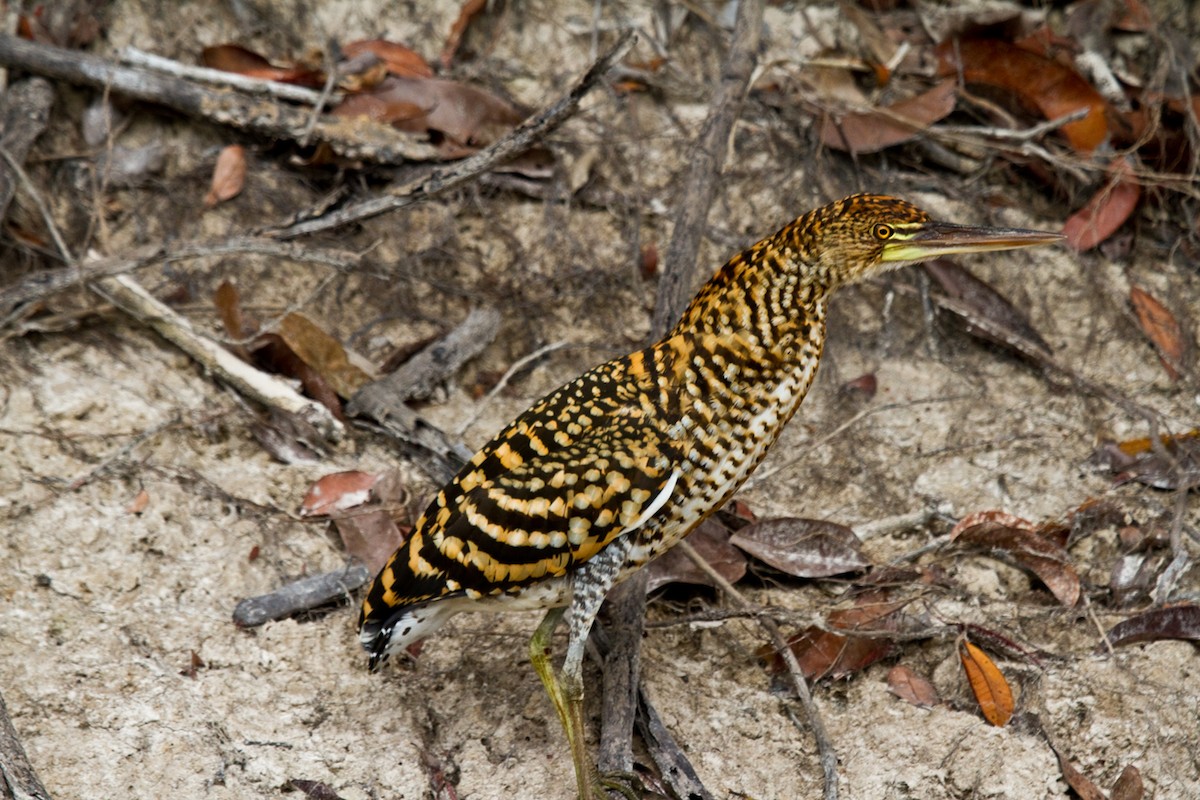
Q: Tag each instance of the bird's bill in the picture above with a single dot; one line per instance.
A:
(932, 239)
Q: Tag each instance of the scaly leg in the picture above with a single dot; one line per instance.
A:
(566, 688)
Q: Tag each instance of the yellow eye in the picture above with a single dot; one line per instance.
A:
(883, 231)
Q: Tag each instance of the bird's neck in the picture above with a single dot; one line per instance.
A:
(766, 291)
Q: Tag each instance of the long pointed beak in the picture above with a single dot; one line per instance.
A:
(933, 239)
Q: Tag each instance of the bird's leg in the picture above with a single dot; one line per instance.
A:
(566, 687)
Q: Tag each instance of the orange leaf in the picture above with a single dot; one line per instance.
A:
(872, 131)
(1161, 328)
(228, 176)
(242, 61)
(139, 503)
(1106, 211)
(399, 59)
(1045, 84)
(990, 688)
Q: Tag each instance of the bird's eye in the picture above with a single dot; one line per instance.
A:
(883, 231)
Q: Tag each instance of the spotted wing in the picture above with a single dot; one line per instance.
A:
(550, 491)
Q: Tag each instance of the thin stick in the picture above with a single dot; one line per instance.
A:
(17, 778)
(441, 179)
(517, 365)
(219, 77)
(826, 753)
(270, 390)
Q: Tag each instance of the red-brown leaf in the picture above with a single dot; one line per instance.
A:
(138, 504)
(1129, 785)
(398, 59)
(1106, 211)
(1176, 622)
(872, 131)
(323, 353)
(371, 536)
(911, 687)
(338, 491)
(711, 541)
(470, 9)
(988, 684)
(1043, 558)
(242, 61)
(1161, 328)
(826, 654)
(805, 548)
(1052, 88)
(1079, 783)
(229, 175)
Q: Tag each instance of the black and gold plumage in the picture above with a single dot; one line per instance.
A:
(612, 469)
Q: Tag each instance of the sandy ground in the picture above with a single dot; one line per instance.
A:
(101, 610)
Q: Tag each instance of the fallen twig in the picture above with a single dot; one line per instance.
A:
(353, 138)
(219, 77)
(269, 390)
(40, 285)
(24, 111)
(300, 595)
(18, 781)
(441, 179)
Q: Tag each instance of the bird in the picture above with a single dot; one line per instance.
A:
(609, 471)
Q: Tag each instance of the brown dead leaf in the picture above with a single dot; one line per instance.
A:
(1106, 211)
(1055, 90)
(314, 790)
(988, 684)
(1174, 622)
(470, 9)
(1079, 783)
(229, 175)
(324, 354)
(398, 59)
(242, 61)
(1128, 785)
(711, 541)
(827, 654)
(805, 548)
(1161, 328)
(911, 687)
(371, 536)
(460, 117)
(1017, 537)
(139, 503)
(338, 491)
(872, 131)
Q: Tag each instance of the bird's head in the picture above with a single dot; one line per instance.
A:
(865, 234)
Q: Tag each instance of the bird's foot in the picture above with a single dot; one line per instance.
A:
(625, 784)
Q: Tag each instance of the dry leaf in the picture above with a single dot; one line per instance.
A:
(470, 9)
(324, 354)
(1052, 88)
(1175, 622)
(911, 687)
(371, 536)
(872, 131)
(985, 312)
(229, 175)
(398, 59)
(1106, 210)
(139, 503)
(338, 491)
(242, 61)
(824, 654)
(711, 541)
(1018, 538)
(1129, 785)
(1161, 328)
(805, 548)
(988, 684)
(1079, 783)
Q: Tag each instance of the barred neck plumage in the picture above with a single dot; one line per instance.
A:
(767, 289)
